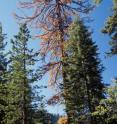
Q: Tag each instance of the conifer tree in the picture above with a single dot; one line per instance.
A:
(21, 76)
(106, 112)
(82, 88)
(3, 67)
(111, 29)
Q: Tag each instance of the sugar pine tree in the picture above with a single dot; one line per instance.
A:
(3, 67)
(21, 76)
(82, 88)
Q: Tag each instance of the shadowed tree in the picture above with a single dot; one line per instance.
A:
(82, 88)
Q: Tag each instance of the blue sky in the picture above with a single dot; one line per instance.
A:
(10, 27)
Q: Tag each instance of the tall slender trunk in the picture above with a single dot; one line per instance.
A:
(89, 99)
(62, 46)
(24, 113)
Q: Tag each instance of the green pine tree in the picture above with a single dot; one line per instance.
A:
(82, 87)
(3, 69)
(111, 29)
(106, 112)
(22, 74)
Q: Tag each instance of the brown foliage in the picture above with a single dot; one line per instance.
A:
(54, 100)
(52, 16)
(63, 120)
